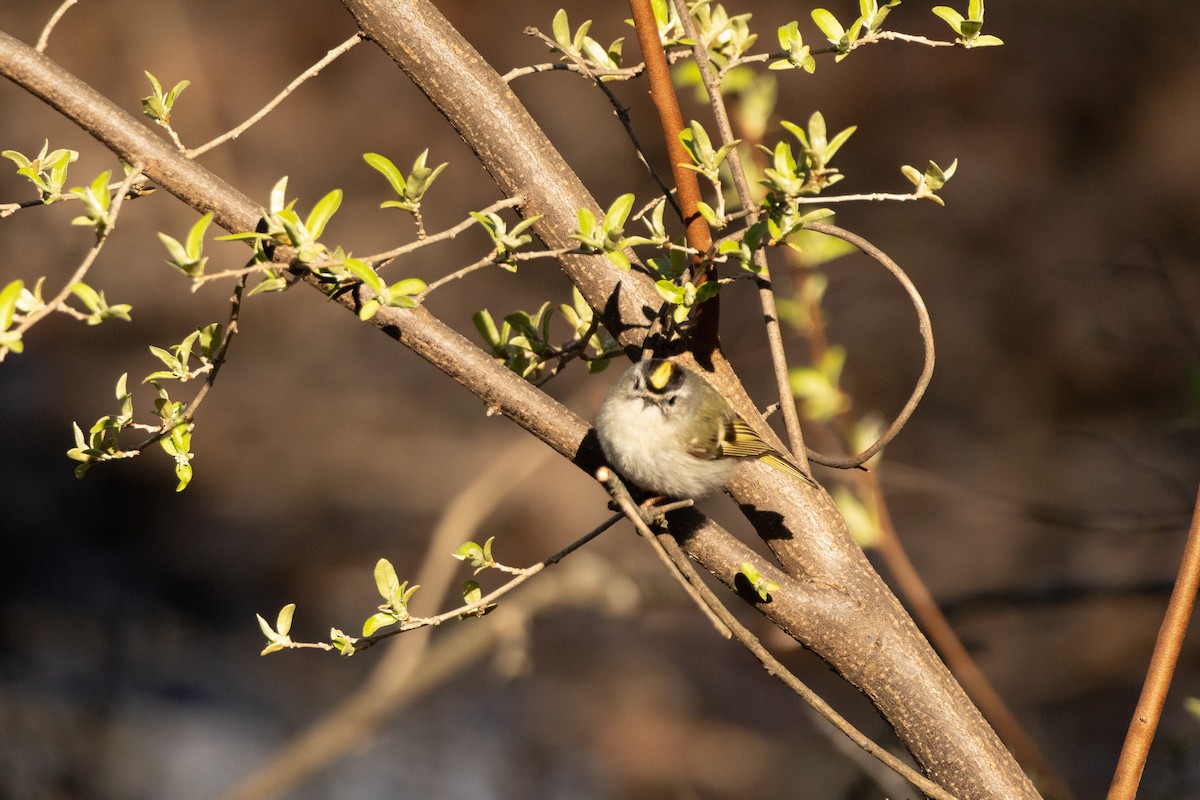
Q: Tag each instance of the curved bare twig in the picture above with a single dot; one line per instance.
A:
(850, 462)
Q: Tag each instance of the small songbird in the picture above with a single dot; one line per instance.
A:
(669, 431)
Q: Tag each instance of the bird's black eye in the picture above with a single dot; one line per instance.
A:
(671, 400)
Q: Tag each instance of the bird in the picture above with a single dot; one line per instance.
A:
(668, 430)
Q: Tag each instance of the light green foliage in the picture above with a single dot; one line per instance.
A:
(96, 200)
(742, 249)
(173, 431)
(400, 294)
(819, 150)
(342, 642)
(861, 518)
(600, 346)
(101, 443)
(189, 257)
(670, 28)
(705, 160)
(789, 219)
(10, 297)
(47, 170)
(505, 242)
(178, 445)
(278, 638)
(798, 55)
(655, 224)
(672, 266)
(97, 307)
(685, 296)
(284, 226)
(761, 586)
(157, 105)
(395, 598)
(607, 235)
(873, 14)
(927, 183)
(410, 189)
(478, 556)
(472, 594)
(970, 27)
(725, 37)
(177, 442)
(584, 47)
(818, 386)
(870, 21)
(842, 39)
(177, 357)
(521, 343)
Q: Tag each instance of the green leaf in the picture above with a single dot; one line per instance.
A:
(389, 170)
(1192, 706)
(363, 271)
(986, 40)
(377, 621)
(283, 623)
(837, 141)
(8, 303)
(762, 586)
(618, 212)
(472, 592)
(862, 521)
(561, 29)
(386, 581)
(487, 327)
(951, 17)
(828, 24)
(407, 286)
(325, 208)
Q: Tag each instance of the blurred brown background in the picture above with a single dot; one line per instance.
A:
(1043, 486)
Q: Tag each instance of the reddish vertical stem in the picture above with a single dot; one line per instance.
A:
(1162, 666)
(662, 93)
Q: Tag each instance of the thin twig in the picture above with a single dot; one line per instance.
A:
(766, 292)
(312, 750)
(482, 603)
(621, 110)
(622, 74)
(279, 98)
(240, 272)
(630, 509)
(926, 329)
(352, 722)
(44, 39)
(1162, 666)
(727, 624)
(487, 261)
(218, 359)
(871, 38)
(380, 259)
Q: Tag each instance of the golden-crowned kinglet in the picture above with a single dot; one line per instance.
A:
(669, 431)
